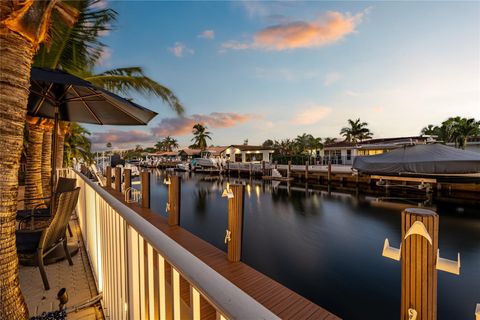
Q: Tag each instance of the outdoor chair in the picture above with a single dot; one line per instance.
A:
(38, 242)
(63, 185)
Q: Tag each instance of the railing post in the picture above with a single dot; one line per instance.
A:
(235, 222)
(145, 183)
(108, 176)
(250, 168)
(174, 200)
(118, 179)
(263, 167)
(127, 178)
(419, 273)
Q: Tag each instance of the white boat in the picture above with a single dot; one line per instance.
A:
(206, 162)
(184, 167)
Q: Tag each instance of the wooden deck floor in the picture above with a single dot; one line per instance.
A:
(280, 300)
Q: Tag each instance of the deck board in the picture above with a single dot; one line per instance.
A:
(274, 296)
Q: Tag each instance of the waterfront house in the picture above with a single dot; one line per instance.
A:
(188, 154)
(344, 152)
(473, 144)
(247, 153)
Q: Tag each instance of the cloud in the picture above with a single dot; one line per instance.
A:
(331, 78)
(311, 115)
(207, 34)
(183, 126)
(378, 109)
(326, 29)
(118, 137)
(180, 50)
(105, 56)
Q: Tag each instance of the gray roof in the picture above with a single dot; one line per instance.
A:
(424, 158)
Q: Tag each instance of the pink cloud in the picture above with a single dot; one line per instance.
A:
(183, 126)
(311, 115)
(326, 29)
(120, 137)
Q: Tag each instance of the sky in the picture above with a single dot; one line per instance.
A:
(274, 70)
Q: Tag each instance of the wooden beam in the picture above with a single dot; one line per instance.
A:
(145, 182)
(412, 179)
(235, 222)
(419, 273)
(108, 177)
(174, 200)
(118, 179)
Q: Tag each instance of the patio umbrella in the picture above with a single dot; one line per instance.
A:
(59, 95)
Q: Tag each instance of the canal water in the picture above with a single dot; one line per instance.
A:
(328, 246)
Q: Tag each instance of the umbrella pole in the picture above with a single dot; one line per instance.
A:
(53, 176)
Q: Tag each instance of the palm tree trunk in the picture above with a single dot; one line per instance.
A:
(46, 159)
(33, 171)
(16, 54)
(62, 128)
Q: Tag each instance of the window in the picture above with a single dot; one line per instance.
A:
(349, 154)
(238, 157)
(253, 157)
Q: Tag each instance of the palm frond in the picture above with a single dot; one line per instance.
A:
(78, 47)
(127, 80)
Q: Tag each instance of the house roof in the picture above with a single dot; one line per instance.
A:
(190, 152)
(216, 150)
(242, 147)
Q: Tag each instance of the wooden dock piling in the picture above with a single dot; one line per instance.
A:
(306, 170)
(118, 179)
(329, 175)
(174, 200)
(419, 257)
(145, 183)
(127, 178)
(289, 169)
(108, 177)
(235, 222)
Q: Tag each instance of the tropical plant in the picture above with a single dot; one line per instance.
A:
(430, 130)
(268, 143)
(167, 144)
(77, 145)
(200, 136)
(329, 140)
(465, 128)
(23, 26)
(356, 131)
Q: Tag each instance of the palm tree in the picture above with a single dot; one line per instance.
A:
(23, 26)
(268, 143)
(356, 131)
(430, 130)
(465, 128)
(302, 142)
(329, 141)
(46, 157)
(170, 143)
(77, 145)
(77, 48)
(200, 136)
(33, 171)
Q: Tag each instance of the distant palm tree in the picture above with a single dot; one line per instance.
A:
(77, 145)
(303, 142)
(465, 128)
(200, 136)
(356, 131)
(430, 130)
(109, 145)
(268, 143)
(328, 140)
(167, 144)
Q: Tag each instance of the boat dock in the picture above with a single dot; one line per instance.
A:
(148, 268)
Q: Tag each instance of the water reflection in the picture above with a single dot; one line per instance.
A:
(327, 245)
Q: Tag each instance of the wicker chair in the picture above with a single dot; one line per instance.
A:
(40, 242)
(63, 185)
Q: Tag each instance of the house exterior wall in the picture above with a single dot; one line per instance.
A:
(230, 153)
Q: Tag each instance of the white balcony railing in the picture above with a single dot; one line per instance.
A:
(131, 261)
